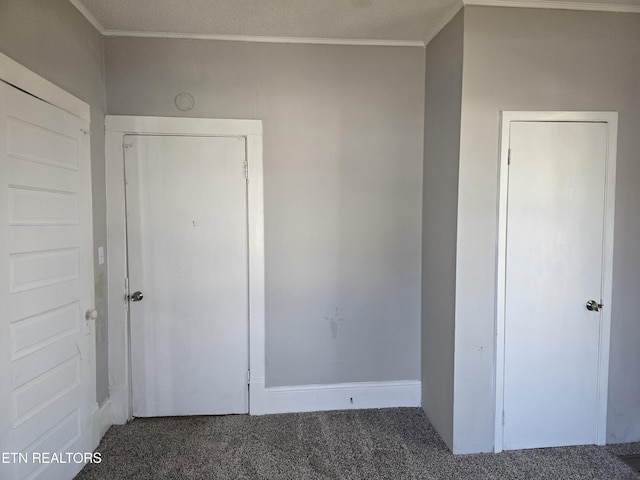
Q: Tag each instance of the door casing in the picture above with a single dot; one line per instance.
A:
(611, 119)
(117, 126)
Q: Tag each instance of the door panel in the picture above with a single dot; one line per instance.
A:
(46, 363)
(554, 261)
(187, 240)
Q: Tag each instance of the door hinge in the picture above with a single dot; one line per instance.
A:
(248, 377)
(503, 418)
(509, 157)
(246, 169)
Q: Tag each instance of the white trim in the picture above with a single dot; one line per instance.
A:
(119, 346)
(259, 39)
(181, 126)
(102, 420)
(88, 15)
(607, 280)
(120, 396)
(444, 22)
(255, 219)
(559, 5)
(256, 393)
(611, 118)
(343, 396)
(19, 76)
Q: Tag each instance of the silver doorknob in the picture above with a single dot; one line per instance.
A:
(136, 297)
(593, 306)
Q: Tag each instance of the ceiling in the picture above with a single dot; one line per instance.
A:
(383, 22)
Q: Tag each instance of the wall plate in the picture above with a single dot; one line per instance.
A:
(184, 101)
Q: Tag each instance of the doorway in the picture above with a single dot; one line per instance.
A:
(554, 278)
(158, 135)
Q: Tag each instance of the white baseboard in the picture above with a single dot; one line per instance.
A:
(343, 396)
(102, 420)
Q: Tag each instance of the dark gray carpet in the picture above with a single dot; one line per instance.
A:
(397, 443)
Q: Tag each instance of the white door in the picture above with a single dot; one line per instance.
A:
(554, 266)
(46, 276)
(187, 249)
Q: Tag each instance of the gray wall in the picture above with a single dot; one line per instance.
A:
(530, 59)
(51, 38)
(343, 146)
(443, 97)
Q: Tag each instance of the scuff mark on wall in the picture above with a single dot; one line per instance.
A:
(333, 322)
(101, 336)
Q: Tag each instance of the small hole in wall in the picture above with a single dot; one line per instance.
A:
(350, 399)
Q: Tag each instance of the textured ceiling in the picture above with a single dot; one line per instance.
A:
(396, 20)
(380, 20)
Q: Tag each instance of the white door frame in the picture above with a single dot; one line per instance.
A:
(611, 119)
(117, 127)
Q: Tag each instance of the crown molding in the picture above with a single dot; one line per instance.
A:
(556, 5)
(445, 20)
(549, 4)
(243, 38)
(88, 15)
(252, 38)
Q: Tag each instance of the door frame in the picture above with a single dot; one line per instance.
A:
(116, 127)
(611, 119)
